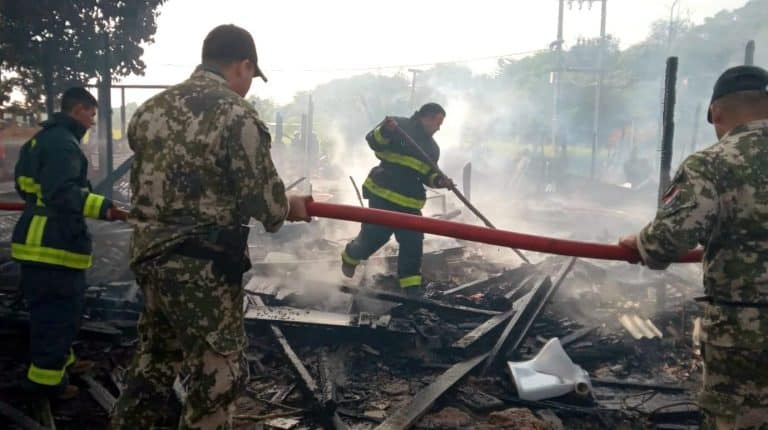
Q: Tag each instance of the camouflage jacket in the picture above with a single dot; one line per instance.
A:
(202, 165)
(719, 199)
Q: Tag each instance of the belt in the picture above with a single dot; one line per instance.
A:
(195, 249)
(226, 263)
(713, 301)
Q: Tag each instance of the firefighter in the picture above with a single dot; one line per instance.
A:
(397, 184)
(51, 240)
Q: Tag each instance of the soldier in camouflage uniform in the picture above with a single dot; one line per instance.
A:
(202, 170)
(719, 199)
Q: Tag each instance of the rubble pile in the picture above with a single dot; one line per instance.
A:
(361, 355)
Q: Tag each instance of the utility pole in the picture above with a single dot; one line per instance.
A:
(105, 102)
(279, 129)
(598, 90)
(556, 78)
(309, 143)
(122, 113)
(671, 24)
(414, 72)
(670, 96)
(749, 53)
(695, 133)
(670, 37)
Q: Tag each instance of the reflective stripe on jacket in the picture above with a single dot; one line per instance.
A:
(51, 177)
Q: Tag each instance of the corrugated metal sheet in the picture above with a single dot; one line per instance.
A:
(639, 327)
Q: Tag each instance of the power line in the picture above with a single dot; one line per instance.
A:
(387, 67)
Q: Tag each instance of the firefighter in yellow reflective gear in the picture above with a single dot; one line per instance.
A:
(397, 184)
(51, 240)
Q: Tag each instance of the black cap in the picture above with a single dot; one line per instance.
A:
(736, 79)
(228, 43)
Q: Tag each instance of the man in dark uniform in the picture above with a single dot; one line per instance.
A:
(51, 240)
(397, 184)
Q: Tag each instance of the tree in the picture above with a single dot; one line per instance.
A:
(52, 44)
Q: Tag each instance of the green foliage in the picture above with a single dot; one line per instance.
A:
(52, 44)
(515, 105)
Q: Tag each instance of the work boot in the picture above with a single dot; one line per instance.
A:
(415, 292)
(81, 367)
(68, 393)
(348, 269)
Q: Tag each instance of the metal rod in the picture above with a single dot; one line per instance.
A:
(409, 140)
(294, 183)
(133, 86)
(106, 185)
(357, 191)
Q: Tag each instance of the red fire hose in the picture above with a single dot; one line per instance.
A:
(481, 234)
(11, 206)
(463, 231)
(117, 214)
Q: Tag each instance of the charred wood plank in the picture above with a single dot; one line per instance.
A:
(519, 290)
(297, 316)
(539, 305)
(478, 285)
(282, 393)
(308, 383)
(18, 418)
(406, 417)
(637, 385)
(45, 414)
(422, 303)
(519, 307)
(556, 406)
(326, 411)
(103, 397)
(529, 307)
(327, 387)
(576, 335)
(483, 329)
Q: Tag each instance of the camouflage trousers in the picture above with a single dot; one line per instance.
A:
(192, 324)
(734, 395)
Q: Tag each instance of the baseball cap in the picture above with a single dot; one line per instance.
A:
(736, 79)
(227, 43)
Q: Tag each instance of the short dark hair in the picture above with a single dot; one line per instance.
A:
(77, 96)
(430, 109)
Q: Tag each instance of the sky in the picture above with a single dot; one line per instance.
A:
(303, 43)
